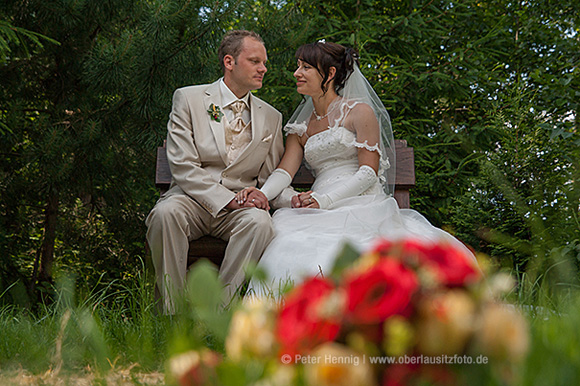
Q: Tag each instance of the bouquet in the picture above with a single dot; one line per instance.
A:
(403, 313)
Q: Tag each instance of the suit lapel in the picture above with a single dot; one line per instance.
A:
(257, 114)
(213, 96)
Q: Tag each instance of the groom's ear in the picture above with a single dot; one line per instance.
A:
(229, 62)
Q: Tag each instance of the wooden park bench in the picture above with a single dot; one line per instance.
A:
(213, 248)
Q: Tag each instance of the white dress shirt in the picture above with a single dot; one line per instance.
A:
(228, 97)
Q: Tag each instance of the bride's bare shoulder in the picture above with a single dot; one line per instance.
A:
(361, 108)
(360, 112)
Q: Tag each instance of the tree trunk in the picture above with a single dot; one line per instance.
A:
(47, 248)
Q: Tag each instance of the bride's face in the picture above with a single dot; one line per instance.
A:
(308, 79)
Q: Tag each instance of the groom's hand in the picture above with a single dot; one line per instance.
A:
(233, 204)
(249, 198)
(258, 199)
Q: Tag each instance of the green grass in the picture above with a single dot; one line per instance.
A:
(554, 358)
(99, 333)
(115, 328)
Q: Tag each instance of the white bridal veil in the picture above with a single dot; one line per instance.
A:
(356, 90)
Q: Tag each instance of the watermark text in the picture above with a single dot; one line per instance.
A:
(385, 360)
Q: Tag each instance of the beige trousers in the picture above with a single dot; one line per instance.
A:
(177, 218)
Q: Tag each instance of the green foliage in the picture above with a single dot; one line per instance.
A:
(554, 357)
(522, 208)
(345, 259)
(206, 299)
(10, 35)
(485, 92)
(115, 325)
(89, 113)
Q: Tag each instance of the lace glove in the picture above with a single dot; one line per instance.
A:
(363, 179)
(276, 183)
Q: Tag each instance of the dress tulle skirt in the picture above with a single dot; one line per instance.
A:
(308, 241)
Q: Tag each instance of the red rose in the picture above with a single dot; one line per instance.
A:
(410, 250)
(455, 268)
(382, 246)
(383, 290)
(452, 266)
(300, 326)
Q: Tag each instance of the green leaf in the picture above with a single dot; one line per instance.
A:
(95, 339)
(347, 256)
(231, 374)
(206, 295)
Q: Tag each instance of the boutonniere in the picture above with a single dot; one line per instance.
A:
(215, 113)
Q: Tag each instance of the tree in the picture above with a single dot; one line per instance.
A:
(77, 113)
(81, 120)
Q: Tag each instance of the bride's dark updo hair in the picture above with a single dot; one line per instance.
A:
(323, 55)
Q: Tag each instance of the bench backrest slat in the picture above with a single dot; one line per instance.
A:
(404, 179)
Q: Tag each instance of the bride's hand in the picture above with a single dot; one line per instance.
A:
(304, 200)
(242, 195)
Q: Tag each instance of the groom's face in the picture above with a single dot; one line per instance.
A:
(246, 72)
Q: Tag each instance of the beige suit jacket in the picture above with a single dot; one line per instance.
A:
(196, 148)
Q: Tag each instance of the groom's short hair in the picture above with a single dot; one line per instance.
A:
(232, 43)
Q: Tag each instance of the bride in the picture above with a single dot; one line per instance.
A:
(343, 132)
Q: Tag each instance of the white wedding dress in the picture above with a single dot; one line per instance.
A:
(307, 241)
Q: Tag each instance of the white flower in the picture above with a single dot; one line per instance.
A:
(499, 284)
(333, 364)
(252, 331)
(503, 333)
(446, 321)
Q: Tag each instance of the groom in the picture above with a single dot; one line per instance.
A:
(220, 139)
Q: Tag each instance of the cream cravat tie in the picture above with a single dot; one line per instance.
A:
(238, 135)
(237, 124)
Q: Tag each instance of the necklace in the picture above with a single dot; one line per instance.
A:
(318, 117)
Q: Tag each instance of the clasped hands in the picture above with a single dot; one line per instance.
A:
(305, 200)
(253, 197)
(249, 198)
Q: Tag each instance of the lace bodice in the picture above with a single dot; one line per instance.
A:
(332, 155)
